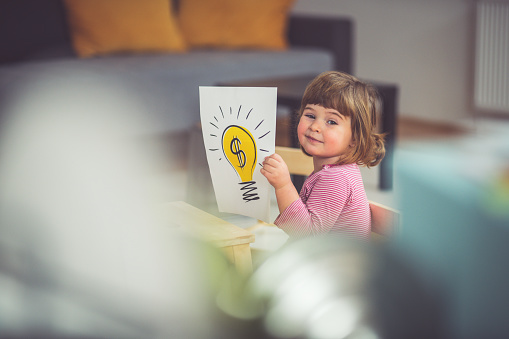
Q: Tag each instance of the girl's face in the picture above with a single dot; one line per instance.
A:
(324, 133)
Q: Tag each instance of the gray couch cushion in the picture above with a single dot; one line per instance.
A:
(164, 87)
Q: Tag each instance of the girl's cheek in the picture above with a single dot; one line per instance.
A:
(301, 128)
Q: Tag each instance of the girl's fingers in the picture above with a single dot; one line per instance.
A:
(266, 162)
(268, 168)
(266, 173)
(273, 157)
(277, 157)
(270, 160)
(272, 163)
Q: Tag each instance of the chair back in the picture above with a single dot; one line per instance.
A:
(298, 163)
(385, 221)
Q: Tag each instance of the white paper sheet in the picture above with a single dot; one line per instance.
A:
(239, 131)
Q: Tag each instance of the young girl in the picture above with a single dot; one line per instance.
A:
(337, 127)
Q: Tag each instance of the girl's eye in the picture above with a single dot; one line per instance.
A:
(309, 115)
(332, 122)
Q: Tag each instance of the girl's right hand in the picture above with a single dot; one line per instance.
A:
(276, 171)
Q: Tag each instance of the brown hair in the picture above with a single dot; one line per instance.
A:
(359, 101)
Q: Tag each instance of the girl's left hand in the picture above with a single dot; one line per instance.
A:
(276, 171)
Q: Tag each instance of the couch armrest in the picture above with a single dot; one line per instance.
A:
(334, 34)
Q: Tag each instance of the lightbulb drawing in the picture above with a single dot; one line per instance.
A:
(239, 147)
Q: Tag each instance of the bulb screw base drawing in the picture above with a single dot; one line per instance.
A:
(249, 188)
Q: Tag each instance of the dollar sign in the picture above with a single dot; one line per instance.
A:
(235, 148)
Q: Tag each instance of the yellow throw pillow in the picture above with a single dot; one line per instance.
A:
(110, 26)
(235, 23)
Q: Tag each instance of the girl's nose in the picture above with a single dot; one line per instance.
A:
(315, 126)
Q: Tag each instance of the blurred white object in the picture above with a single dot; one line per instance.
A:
(82, 248)
(268, 238)
(331, 288)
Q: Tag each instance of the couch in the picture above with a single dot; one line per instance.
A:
(35, 44)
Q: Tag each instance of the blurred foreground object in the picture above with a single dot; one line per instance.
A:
(322, 288)
(83, 252)
(455, 206)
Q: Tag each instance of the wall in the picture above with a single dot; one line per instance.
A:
(427, 47)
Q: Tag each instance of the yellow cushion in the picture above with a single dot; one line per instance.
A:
(235, 23)
(109, 26)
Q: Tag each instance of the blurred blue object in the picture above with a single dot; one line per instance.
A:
(456, 228)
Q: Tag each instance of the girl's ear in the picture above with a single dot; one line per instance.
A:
(352, 143)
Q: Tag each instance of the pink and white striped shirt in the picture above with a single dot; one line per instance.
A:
(333, 201)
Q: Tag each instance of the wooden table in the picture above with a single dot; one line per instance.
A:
(232, 240)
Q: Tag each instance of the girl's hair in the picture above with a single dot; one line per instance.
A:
(359, 101)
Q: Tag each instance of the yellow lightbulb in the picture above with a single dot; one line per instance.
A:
(239, 148)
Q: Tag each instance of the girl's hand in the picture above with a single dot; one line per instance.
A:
(276, 171)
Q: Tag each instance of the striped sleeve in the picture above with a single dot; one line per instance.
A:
(329, 194)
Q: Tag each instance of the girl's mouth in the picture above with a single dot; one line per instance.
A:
(312, 140)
